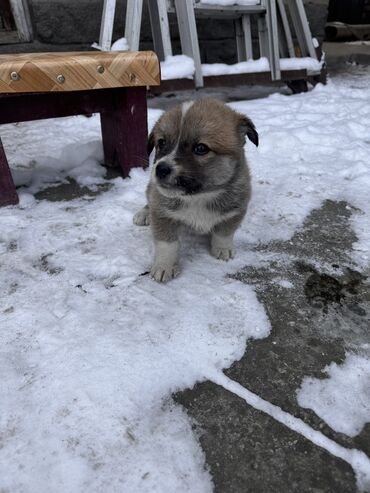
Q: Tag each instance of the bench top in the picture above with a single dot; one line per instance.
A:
(77, 71)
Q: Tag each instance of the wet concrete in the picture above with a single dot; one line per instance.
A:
(319, 307)
(70, 190)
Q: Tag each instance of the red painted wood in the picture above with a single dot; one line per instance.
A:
(125, 130)
(38, 106)
(123, 121)
(8, 194)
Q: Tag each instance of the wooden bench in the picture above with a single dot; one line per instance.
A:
(49, 85)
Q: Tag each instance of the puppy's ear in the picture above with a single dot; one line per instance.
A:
(248, 129)
(150, 144)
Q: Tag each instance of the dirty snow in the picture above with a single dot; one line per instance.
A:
(91, 348)
(342, 399)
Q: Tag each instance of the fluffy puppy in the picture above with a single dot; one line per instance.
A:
(199, 179)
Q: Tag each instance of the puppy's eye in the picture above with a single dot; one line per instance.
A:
(200, 149)
(161, 143)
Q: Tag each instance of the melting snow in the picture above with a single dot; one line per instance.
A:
(343, 398)
(91, 349)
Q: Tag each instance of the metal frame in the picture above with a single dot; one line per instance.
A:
(243, 38)
(270, 31)
(189, 36)
(134, 12)
(301, 28)
(22, 19)
(160, 28)
(106, 26)
(273, 39)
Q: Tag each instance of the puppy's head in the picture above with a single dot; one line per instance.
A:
(198, 146)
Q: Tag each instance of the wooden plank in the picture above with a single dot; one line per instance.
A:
(229, 80)
(77, 71)
(8, 193)
(227, 11)
(252, 78)
(39, 106)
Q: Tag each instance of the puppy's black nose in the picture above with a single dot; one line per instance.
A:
(162, 170)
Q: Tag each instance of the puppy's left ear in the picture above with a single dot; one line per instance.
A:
(150, 144)
(248, 129)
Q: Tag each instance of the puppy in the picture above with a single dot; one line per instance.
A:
(199, 179)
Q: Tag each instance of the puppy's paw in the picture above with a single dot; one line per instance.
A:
(164, 273)
(222, 253)
(142, 217)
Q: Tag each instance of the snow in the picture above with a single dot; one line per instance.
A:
(342, 399)
(120, 44)
(92, 348)
(177, 67)
(260, 65)
(308, 63)
(181, 66)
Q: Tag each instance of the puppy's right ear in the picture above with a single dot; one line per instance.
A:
(150, 144)
(248, 129)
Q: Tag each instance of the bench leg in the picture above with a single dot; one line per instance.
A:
(8, 194)
(125, 129)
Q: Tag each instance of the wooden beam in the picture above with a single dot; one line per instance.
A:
(229, 80)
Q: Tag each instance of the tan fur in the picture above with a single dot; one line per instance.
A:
(208, 192)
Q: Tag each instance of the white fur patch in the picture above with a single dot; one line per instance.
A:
(195, 214)
(185, 107)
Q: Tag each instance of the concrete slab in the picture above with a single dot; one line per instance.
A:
(314, 321)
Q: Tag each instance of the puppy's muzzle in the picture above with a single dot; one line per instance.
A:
(188, 184)
(162, 171)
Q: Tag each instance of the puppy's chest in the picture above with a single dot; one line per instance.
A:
(198, 216)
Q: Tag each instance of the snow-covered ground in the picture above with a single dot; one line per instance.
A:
(91, 349)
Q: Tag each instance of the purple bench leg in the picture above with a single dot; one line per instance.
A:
(125, 129)
(8, 194)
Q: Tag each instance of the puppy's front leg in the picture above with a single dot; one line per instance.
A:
(165, 233)
(222, 239)
(142, 217)
(222, 246)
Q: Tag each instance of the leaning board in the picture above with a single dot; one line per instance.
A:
(77, 71)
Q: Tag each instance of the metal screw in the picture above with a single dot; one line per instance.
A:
(100, 69)
(15, 76)
(61, 79)
(132, 77)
